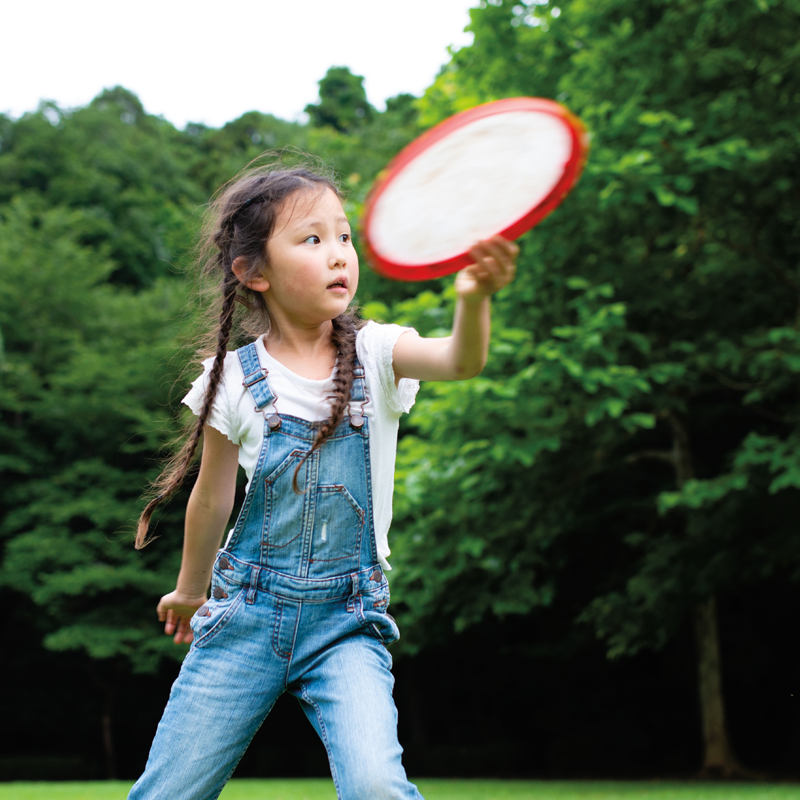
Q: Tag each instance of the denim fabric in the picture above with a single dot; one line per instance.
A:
(298, 604)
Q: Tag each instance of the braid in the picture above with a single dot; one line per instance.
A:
(343, 338)
(172, 478)
(238, 224)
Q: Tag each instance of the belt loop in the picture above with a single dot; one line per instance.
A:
(351, 601)
(252, 589)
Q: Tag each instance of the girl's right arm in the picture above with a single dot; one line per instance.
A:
(207, 514)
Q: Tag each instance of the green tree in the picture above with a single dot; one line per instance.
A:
(124, 168)
(220, 153)
(645, 373)
(85, 384)
(343, 103)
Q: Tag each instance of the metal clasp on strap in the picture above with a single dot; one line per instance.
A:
(255, 377)
(357, 420)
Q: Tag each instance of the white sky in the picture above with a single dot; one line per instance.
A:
(198, 61)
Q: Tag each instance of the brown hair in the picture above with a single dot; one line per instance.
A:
(239, 222)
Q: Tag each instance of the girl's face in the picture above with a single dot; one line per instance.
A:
(312, 271)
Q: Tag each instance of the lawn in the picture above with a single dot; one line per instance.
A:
(432, 789)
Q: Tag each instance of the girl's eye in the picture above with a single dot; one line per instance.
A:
(312, 240)
(345, 237)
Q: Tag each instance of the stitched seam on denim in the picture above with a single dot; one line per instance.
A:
(309, 510)
(248, 500)
(276, 632)
(358, 607)
(310, 600)
(337, 488)
(294, 637)
(323, 734)
(285, 465)
(331, 560)
(226, 579)
(280, 546)
(373, 545)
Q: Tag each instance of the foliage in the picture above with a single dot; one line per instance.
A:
(661, 296)
(122, 167)
(84, 389)
(342, 103)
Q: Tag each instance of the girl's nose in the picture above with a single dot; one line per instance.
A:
(337, 258)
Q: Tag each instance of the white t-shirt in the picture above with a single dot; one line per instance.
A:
(233, 411)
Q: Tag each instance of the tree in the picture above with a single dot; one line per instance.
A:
(342, 103)
(654, 324)
(86, 377)
(124, 168)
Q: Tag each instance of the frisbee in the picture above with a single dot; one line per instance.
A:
(498, 168)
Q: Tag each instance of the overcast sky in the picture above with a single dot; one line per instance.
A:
(210, 62)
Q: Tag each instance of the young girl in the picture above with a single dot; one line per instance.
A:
(310, 410)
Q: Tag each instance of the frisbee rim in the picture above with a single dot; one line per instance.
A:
(571, 172)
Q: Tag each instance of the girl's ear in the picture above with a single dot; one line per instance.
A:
(257, 284)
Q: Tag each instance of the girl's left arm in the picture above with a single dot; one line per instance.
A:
(462, 354)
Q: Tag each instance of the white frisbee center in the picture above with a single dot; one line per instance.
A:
(472, 184)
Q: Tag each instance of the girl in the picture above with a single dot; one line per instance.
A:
(310, 410)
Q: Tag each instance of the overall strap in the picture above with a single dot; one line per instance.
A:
(255, 376)
(358, 390)
(358, 396)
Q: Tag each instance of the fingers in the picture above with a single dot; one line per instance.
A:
(170, 622)
(183, 635)
(176, 619)
(495, 262)
(178, 626)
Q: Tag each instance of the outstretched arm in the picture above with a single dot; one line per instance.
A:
(462, 354)
(207, 513)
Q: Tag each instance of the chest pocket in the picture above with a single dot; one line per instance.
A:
(338, 524)
(285, 509)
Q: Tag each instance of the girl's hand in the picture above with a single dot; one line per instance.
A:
(494, 268)
(176, 610)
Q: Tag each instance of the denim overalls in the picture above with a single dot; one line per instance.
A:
(298, 604)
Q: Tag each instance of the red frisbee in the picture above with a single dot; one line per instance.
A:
(499, 168)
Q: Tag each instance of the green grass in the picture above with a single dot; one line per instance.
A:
(433, 790)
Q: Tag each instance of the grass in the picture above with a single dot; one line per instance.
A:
(433, 789)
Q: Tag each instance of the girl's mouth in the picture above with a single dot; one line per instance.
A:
(341, 283)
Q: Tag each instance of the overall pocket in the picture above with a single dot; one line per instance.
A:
(284, 512)
(213, 616)
(338, 522)
(375, 616)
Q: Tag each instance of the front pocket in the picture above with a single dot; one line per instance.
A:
(385, 629)
(219, 610)
(373, 613)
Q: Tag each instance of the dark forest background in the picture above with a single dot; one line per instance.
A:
(595, 546)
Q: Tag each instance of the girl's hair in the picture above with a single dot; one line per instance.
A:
(239, 222)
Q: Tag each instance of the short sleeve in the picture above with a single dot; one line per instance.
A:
(375, 346)
(220, 417)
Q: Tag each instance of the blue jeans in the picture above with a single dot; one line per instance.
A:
(298, 604)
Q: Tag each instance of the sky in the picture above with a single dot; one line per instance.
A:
(198, 61)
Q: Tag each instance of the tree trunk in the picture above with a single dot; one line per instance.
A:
(108, 738)
(718, 758)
